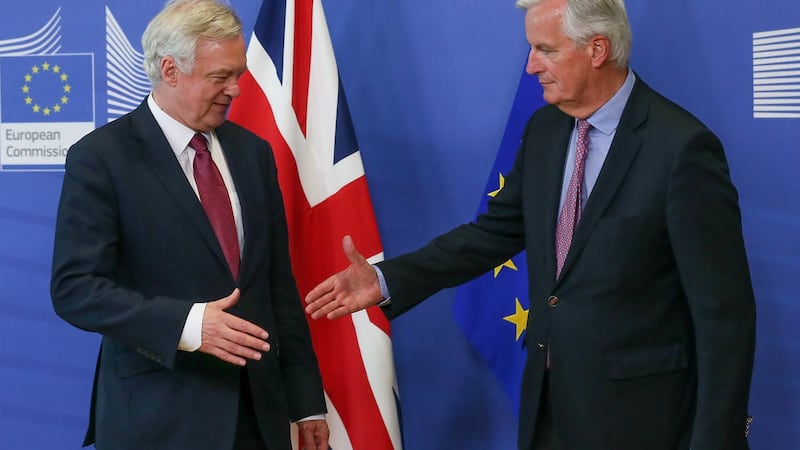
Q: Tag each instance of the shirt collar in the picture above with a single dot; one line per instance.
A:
(608, 116)
(178, 135)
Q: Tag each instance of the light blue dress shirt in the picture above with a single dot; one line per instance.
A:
(604, 126)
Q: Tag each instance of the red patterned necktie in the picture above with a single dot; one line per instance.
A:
(571, 211)
(216, 201)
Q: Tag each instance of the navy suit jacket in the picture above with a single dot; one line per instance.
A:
(134, 250)
(651, 326)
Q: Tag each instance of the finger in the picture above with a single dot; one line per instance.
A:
(349, 248)
(322, 433)
(223, 355)
(323, 306)
(320, 302)
(321, 289)
(229, 301)
(232, 344)
(339, 312)
(309, 443)
(243, 326)
(248, 341)
(240, 351)
(332, 310)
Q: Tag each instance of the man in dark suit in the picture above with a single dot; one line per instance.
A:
(171, 242)
(641, 329)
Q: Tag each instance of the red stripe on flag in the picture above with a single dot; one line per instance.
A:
(315, 247)
(379, 319)
(302, 60)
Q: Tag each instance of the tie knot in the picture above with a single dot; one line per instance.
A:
(583, 128)
(199, 143)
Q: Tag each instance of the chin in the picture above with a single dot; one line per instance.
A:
(550, 98)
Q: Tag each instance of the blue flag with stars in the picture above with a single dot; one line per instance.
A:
(46, 88)
(492, 310)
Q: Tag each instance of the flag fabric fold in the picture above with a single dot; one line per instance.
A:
(291, 96)
(492, 310)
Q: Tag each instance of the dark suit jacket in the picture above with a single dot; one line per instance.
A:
(651, 325)
(134, 250)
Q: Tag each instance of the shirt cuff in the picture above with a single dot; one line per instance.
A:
(387, 297)
(316, 417)
(192, 336)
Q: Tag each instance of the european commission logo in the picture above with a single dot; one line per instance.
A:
(46, 105)
(776, 74)
(46, 99)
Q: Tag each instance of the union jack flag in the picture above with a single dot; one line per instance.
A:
(292, 97)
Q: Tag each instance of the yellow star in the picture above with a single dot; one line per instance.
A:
(509, 264)
(519, 318)
(57, 108)
(25, 89)
(502, 184)
(64, 100)
(46, 66)
(28, 78)
(28, 100)
(35, 69)
(46, 111)
(56, 68)
(67, 88)
(36, 108)
(63, 77)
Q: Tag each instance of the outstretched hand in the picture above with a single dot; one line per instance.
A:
(348, 291)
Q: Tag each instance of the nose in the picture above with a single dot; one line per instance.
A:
(533, 66)
(232, 90)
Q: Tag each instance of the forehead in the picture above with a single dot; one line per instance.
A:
(543, 21)
(227, 52)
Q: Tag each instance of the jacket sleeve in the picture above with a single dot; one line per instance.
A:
(704, 226)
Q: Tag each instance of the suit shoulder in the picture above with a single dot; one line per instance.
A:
(236, 131)
(108, 138)
(664, 110)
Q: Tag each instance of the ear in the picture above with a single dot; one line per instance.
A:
(169, 70)
(600, 50)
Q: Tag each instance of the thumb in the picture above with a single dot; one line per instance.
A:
(351, 252)
(226, 302)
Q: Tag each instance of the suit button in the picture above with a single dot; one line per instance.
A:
(552, 301)
(540, 346)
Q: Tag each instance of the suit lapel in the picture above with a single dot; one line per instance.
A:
(159, 157)
(241, 172)
(624, 148)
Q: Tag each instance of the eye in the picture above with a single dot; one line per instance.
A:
(546, 51)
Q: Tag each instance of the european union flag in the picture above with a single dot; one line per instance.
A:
(492, 310)
(46, 88)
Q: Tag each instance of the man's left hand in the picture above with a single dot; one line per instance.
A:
(315, 434)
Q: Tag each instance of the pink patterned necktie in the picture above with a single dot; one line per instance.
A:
(571, 211)
(216, 201)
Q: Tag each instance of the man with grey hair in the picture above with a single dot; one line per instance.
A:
(642, 322)
(171, 242)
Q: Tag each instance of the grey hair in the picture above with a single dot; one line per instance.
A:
(176, 29)
(586, 18)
